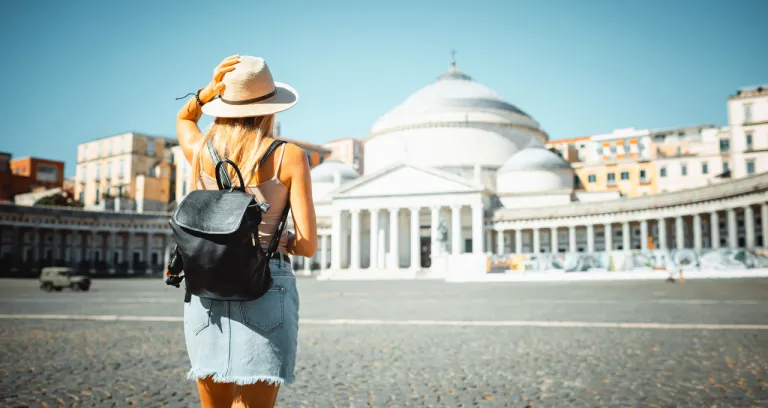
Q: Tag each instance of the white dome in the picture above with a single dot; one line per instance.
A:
(326, 171)
(534, 172)
(451, 123)
(534, 158)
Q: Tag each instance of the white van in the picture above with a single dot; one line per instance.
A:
(57, 278)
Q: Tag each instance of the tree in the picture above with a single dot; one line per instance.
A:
(58, 200)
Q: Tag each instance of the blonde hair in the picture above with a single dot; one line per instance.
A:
(238, 139)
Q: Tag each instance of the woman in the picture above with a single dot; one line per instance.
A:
(241, 352)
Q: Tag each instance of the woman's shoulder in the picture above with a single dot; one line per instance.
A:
(294, 154)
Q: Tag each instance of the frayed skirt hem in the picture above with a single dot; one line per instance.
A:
(239, 380)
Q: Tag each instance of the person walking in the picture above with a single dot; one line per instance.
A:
(242, 351)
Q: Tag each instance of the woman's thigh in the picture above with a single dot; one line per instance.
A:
(259, 395)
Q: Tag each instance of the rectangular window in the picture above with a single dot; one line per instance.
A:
(684, 170)
(611, 179)
(663, 172)
(643, 175)
(592, 178)
(47, 173)
(726, 167)
(82, 174)
(749, 141)
(150, 147)
(704, 168)
(98, 194)
(747, 113)
(625, 175)
(725, 145)
(98, 172)
(109, 170)
(121, 171)
(750, 167)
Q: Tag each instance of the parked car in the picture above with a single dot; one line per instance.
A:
(57, 278)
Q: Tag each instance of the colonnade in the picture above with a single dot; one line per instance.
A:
(735, 227)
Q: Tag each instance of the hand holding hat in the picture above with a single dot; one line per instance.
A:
(216, 86)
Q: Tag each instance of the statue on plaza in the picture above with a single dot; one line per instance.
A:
(442, 236)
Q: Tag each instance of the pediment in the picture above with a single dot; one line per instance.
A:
(406, 179)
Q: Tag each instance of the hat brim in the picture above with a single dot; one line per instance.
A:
(284, 98)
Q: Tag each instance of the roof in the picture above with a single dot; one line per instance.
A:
(454, 97)
(571, 140)
(325, 172)
(534, 158)
(306, 144)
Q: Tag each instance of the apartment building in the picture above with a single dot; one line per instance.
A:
(130, 171)
(349, 151)
(620, 161)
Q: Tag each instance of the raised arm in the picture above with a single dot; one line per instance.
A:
(304, 243)
(186, 120)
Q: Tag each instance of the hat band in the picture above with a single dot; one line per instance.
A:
(248, 101)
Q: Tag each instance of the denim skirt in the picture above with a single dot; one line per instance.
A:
(244, 342)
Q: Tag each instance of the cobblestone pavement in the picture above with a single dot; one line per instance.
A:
(94, 364)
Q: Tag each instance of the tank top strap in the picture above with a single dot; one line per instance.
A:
(280, 160)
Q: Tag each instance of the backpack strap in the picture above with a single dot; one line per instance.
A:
(223, 175)
(273, 244)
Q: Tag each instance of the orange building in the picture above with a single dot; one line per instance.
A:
(29, 173)
(315, 154)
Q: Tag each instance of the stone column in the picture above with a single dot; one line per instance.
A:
(749, 227)
(110, 257)
(324, 252)
(434, 223)
(679, 237)
(16, 247)
(572, 239)
(553, 239)
(590, 238)
(415, 238)
(661, 225)
(500, 242)
(394, 253)
(644, 235)
(374, 238)
(73, 247)
(336, 240)
(536, 241)
(714, 228)
(129, 250)
(477, 229)
(488, 240)
(733, 242)
(148, 251)
(354, 257)
(626, 238)
(54, 245)
(764, 221)
(697, 231)
(518, 241)
(456, 229)
(608, 233)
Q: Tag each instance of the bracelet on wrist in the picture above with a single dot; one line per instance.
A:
(197, 96)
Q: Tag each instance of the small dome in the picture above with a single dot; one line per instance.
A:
(534, 158)
(325, 172)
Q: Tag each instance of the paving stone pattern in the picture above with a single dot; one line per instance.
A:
(75, 363)
(97, 364)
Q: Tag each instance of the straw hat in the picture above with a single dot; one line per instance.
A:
(250, 91)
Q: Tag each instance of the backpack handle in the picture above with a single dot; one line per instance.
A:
(218, 175)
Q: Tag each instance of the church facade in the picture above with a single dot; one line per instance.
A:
(455, 171)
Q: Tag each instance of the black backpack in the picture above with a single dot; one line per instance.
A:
(217, 236)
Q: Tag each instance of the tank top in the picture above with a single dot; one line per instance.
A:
(272, 192)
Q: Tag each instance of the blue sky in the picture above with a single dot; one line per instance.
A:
(75, 71)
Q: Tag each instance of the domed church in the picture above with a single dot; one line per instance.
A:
(436, 168)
